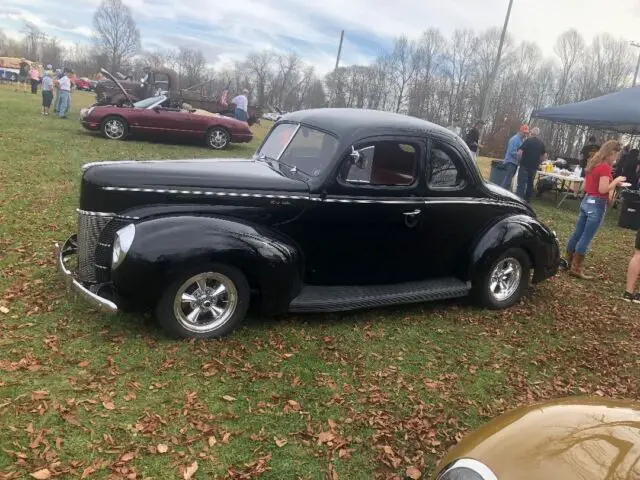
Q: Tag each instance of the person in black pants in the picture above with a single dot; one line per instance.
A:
(628, 167)
(633, 271)
(533, 151)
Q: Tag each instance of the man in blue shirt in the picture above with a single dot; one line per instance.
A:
(512, 158)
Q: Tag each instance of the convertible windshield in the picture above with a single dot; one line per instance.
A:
(309, 151)
(147, 102)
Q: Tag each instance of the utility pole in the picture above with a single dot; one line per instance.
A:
(339, 50)
(635, 77)
(496, 64)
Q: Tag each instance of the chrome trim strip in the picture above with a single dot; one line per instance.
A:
(314, 198)
(104, 244)
(106, 214)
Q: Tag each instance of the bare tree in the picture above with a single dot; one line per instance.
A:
(116, 33)
(404, 66)
(260, 66)
(191, 65)
(33, 40)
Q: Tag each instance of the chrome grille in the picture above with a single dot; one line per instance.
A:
(90, 224)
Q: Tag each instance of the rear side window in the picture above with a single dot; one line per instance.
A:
(380, 163)
(443, 172)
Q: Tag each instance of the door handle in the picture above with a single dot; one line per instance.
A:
(412, 214)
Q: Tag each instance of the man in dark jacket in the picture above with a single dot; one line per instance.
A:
(473, 139)
(533, 151)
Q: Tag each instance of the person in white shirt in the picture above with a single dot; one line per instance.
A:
(64, 83)
(241, 103)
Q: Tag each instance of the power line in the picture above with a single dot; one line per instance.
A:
(339, 50)
(635, 76)
(496, 64)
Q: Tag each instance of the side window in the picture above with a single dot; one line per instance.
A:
(390, 163)
(443, 172)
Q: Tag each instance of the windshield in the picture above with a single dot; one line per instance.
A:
(310, 151)
(147, 102)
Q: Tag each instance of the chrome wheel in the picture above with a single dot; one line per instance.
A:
(205, 302)
(114, 129)
(218, 139)
(505, 279)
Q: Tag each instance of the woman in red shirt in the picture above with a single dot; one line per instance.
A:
(598, 185)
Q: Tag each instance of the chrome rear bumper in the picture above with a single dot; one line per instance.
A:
(69, 249)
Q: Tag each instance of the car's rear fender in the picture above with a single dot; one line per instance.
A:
(164, 246)
(520, 231)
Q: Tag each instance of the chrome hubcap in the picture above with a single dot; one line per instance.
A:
(205, 302)
(114, 129)
(505, 279)
(218, 139)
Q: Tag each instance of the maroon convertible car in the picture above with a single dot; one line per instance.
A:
(153, 117)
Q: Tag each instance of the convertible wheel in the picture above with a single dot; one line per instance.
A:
(114, 128)
(206, 302)
(218, 138)
(505, 281)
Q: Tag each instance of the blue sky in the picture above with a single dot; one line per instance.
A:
(227, 30)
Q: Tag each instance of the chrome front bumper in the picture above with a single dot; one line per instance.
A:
(63, 254)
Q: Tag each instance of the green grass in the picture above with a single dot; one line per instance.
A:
(410, 378)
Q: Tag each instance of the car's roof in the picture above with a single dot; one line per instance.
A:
(346, 121)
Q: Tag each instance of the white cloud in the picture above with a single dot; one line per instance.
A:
(230, 29)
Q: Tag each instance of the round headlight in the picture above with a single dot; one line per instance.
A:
(121, 244)
(466, 469)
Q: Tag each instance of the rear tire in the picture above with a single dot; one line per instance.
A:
(218, 138)
(208, 301)
(504, 283)
(114, 128)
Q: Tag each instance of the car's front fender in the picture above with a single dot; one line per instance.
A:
(164, 246)
(517, 231)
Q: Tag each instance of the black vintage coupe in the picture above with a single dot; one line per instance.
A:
(339, 209)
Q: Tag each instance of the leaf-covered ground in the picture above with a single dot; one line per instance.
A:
(374, 394)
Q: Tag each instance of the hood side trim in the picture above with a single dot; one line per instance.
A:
(314, 198)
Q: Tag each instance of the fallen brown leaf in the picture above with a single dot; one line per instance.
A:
(108, 405)
(190, 470)
(162, 448)
(229, 398)
(280, 443)
(413, 473)
(42, 474)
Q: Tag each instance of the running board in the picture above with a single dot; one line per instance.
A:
(341, 298)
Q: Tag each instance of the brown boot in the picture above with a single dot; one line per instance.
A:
(568, 259)
(576, 267)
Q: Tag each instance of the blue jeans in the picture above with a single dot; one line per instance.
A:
(65, 103)
(509, 172)
(526, 177)
(592, 210)
(241, 114)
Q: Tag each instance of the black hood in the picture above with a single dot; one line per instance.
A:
(233, 174)
(119, 186)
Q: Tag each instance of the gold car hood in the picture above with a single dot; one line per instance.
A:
(567, 439)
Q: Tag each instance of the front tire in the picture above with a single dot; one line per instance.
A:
(505, 281)
(114, 128)
(218, 138)
(209, 301)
